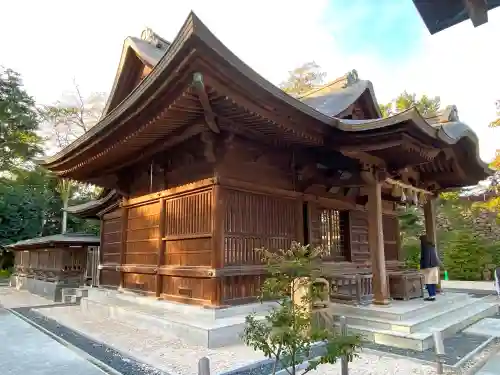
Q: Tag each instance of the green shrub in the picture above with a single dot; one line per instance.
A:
(5, 273)
(465, 256)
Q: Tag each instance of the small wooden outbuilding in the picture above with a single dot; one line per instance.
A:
(46, 265)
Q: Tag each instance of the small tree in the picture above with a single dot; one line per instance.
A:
(287, 333)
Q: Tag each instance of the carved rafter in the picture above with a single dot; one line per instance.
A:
(428, 153)
(199, 86)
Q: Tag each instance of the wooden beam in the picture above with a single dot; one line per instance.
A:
(370, 147)
(199, 86)
(478, 11)
(365, 158)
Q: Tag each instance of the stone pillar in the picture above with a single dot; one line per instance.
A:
(376, 243)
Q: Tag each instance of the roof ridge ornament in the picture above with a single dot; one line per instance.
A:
(449, 114)
(151, 37)
(351, 78)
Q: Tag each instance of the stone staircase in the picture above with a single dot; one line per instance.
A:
(410, 324)
(73, 295)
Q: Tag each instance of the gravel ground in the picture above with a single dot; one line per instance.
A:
(169, 354)
(135, 347)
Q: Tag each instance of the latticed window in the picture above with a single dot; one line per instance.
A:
(333, 229)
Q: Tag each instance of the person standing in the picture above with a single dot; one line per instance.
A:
(429, 265)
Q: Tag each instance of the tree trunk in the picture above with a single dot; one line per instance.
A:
(64, 217)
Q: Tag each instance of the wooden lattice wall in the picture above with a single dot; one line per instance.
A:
(253, 221)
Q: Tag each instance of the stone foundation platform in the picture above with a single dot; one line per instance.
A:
(47, 289)
(195, 325)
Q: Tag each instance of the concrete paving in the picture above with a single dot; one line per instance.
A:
(492, 367)
(28, 351)
(485, 327)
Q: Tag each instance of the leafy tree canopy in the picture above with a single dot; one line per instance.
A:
(303, 79)
(18, 121)
(427, 106)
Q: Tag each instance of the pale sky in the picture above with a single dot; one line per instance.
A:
(52, 42)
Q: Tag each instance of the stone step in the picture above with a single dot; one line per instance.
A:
(169, 307)
(402, 310)
(422, 340)
(418, 322)
(211, 334)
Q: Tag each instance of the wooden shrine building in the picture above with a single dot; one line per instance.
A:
(46, 265)
(203, 161)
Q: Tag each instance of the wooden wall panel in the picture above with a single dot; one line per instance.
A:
(391, 234)
(139, 282)
(241, 289)
(189, 215)
(109, 278)
(189, 252)
(111, 238)
(188, 229)
(251, 162)
(360, 250)
(142, 234)
(254, 220)
(188, 289)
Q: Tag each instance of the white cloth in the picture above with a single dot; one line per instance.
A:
(431, 275)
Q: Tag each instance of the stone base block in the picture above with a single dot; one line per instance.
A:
(46, 289)
(195, 325)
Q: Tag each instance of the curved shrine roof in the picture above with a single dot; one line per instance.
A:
(91, 209)
(69, 239)
(194, 49)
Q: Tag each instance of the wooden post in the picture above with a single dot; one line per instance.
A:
(430, 228)
(204, 366)
(376, 243)
(217, 258)
(430, 221)
(99, 251)
(161, 247)
(123, 239)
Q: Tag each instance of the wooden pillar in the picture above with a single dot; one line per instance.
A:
(217, 259)
(430, 226)
(376, 243)
(123, 246)
(161, 247)
(430, 221)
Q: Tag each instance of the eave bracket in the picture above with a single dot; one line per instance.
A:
(199, 86)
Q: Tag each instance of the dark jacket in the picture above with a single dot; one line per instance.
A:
(428, 256)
